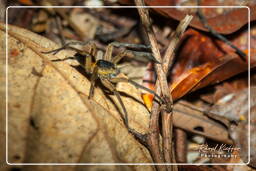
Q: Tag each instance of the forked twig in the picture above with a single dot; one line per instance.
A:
(167, 124)
(153, 135)
(161, 88)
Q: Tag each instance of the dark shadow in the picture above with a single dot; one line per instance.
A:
(15, 169)
(199, 128)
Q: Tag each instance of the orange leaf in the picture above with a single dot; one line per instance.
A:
(208, 74)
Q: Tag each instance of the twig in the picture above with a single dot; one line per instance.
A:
(161, 88)
(202, 18)
(153, 135)
(167, 136)
(167, 124)
(155, 50)
(181, 145)
(59, 26)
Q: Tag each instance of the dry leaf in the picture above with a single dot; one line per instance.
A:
(86, 22)
(233, 106)
(196, 122)
(223, 21)
(239, 133)
(50, 118)
(208, 74)
(2, 105)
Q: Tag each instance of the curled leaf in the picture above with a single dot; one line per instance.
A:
(207, 74)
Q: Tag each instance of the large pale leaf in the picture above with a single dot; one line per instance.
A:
(51, 120)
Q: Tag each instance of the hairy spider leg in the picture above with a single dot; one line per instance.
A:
(68, 46)
(108, 53)
(112, 88)
(118, 57)
(132, 53)
(131, 45)
(93, 79)
(122, 79)
(89, 65)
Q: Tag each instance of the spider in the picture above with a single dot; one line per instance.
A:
(106, 70)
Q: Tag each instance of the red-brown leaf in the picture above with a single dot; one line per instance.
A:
(224, 23)
(207, 74)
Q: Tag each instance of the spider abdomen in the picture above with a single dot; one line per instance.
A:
(105, 64)
(106, 69)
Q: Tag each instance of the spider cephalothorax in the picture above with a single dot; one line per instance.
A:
(105, 69)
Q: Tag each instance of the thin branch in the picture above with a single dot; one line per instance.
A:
(153, 135)
(161, 88)
(155, 50)
(203, 20)
(59, 27)
(181, 145)
(170, 52)
(167, 123)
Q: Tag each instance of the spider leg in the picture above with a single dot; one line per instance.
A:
(108, 53)
(116, 80)
(64, 59)
(143, 56)
(118, 57)
(68, 46)
(93, 49)
(112, 88)
(132, 53)
(93, 79)
(131, 45)
(88, 58)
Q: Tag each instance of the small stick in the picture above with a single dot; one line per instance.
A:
(59, 26)
(181, 145)
(167, 63)
(153, 135)
(202, 18)
(168, 59)
(161, 87)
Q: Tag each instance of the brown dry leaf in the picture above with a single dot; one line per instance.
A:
(196, 122)
(224, 21)
(233, 106)
(208, 74)
(50, 118)
(239, 133)
(85, 22)
(2, 105)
